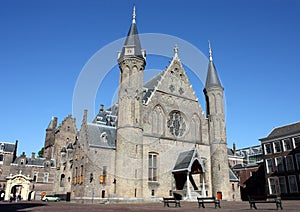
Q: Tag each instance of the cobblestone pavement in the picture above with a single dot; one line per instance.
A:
(185, 206)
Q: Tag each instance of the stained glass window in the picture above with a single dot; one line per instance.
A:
(176, 124)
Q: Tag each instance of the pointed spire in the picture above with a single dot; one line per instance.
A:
(176, 50)
(212, 78)
(53, 123)
(133, 15)
(210, 51)
(132, 45)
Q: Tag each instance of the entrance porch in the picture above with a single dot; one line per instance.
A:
(189, 175)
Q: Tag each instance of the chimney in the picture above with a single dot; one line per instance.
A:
(85, 113)
(33, 155)
(101, 107)
(234, 148)
(15, 150)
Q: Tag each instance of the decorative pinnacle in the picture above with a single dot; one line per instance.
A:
(210, 51)
(133, 15)
(176, 50)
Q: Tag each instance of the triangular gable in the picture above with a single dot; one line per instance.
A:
(186, 159)
(172, 80)
(176, 82)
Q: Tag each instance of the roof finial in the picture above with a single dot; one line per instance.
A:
(210, 51)
(176, 50)
(133, 15)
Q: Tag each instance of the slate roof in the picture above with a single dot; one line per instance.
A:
(150, 85)
(7, 147)
(53, 123)
(287, 130)
(101, 136)
(132, 40)
(185, 160)
(70, 145)
(243, 165)
(233, 177)
(34, 161)
(212, 79)
(230, 152)
(106, 120)
(107, 117)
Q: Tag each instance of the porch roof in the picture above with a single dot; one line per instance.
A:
(186, 159)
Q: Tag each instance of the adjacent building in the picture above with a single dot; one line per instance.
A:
(251, 155)
(8, 153)
(24, 177)
(234, 157)
(59, 146)
(281, 156)
(29, 177)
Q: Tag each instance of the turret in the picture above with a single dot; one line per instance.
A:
(217, 131)
(50, 138)
(129, 129)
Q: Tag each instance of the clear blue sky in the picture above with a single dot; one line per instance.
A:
(45, 44)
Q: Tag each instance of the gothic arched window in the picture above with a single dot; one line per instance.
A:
(195, 128)
(158, 120)
(62, 180)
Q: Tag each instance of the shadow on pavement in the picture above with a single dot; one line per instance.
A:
(12, 207)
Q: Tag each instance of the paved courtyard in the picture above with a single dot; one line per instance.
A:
(186, 206)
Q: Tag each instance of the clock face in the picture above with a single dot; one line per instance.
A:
(129, 51)
(176, 124)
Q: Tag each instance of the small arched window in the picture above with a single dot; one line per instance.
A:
(62, 180)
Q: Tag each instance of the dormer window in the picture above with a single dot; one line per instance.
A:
(47, 164)
(104, 137)
(129, 51)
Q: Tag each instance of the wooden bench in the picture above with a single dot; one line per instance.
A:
(168, 200)
(206, 200)
(264, 199)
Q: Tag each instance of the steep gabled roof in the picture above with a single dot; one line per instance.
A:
(101, 136)
(186, 159)
(163, 81)
(150, 86)
(154, 81)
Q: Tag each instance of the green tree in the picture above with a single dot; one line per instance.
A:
(41, 153)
